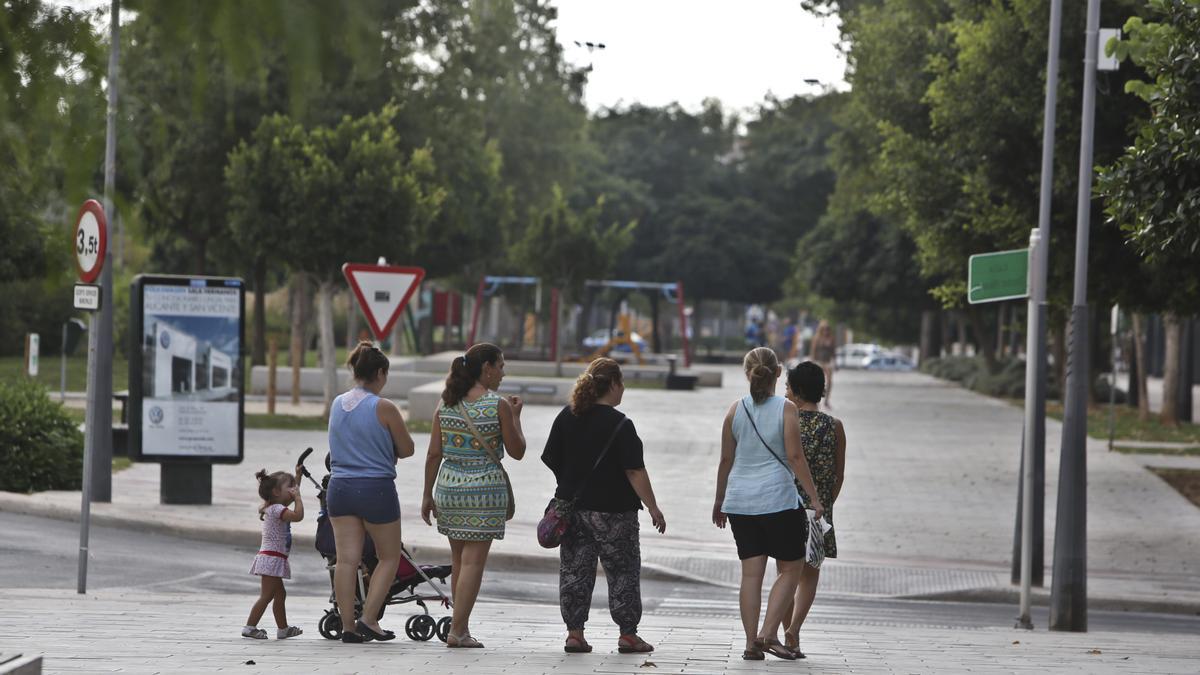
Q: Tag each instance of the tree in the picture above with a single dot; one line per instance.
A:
(1152, 191)
(566, 247)
(363, 197)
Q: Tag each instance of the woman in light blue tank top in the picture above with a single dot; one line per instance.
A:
(762, 463)
(367, 436)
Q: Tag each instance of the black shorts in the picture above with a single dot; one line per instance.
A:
(372, 499)
(780, 535)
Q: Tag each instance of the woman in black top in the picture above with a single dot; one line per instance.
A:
(605, 520)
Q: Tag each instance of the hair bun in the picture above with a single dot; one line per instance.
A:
(261, 475)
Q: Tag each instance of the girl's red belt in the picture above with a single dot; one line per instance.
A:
(276, 554)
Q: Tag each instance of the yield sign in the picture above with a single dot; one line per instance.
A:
(382, 292)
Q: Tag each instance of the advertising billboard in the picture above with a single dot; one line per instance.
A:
(185, 369)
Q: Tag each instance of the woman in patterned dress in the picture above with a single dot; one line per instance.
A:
(825, 449)
(464, 488)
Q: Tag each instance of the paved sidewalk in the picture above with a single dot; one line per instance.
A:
(150, 633)
(927, 509)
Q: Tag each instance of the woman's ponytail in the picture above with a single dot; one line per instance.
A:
(465, 371)
(761, 366)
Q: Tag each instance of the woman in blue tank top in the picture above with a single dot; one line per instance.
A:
(367, 436)
(762, 462)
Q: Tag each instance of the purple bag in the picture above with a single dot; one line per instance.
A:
(554, 524)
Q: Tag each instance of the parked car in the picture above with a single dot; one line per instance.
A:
(888, 361)
(852, 355)
(600, 338)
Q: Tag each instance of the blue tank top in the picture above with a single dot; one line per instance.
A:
(359, 446)
(758, 483)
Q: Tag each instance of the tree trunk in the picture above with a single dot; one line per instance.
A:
(1187, 368)
(259, 355)
(351, 321)
(1173, 331)
(1139, 350)
(299, 318)
(328, 354)
(928, 335)
(981, 338)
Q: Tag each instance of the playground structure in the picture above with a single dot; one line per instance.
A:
(620, 327)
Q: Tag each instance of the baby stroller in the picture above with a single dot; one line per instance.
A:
(404, 582)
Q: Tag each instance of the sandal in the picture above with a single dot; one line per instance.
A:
(289, 632)
(255, 633)
(754, 654)
(774, 648)
(462, 642)
(577, 646)
(632, 644)
(792, 642)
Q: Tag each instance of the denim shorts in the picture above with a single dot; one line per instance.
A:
(372, 499)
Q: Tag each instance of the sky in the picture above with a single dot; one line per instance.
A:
(663, 51)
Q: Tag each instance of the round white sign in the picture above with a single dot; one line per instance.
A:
(87, 242)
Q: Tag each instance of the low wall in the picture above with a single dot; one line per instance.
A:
(400, 382)
(440, 363)
(423, 401)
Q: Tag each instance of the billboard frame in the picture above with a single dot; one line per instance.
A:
(136, 365)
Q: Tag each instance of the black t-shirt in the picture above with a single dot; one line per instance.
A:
(572, 449)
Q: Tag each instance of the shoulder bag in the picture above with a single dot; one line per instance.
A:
(512, 502)
(554, 523)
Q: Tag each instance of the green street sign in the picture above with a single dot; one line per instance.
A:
(1003, 275)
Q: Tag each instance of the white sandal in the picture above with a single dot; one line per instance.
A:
(255, 633)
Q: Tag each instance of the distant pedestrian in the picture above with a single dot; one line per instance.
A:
(367, 436)
(791, 340)
(278, 491)
(825, 450)
(823, 353)
(761, 472)
(595, 453)
(466, 487)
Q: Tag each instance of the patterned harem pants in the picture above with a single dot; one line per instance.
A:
(613, 537)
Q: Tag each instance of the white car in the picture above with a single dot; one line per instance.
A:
(888, 361)
(853, 355)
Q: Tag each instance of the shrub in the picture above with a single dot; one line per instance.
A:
(41, 448)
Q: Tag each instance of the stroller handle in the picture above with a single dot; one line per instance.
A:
(303, 469)
(303, 456)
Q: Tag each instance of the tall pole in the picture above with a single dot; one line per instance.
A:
(97, 453)
(1068, 590)
(1035, 352)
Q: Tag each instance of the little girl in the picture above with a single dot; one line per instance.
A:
(278, 490)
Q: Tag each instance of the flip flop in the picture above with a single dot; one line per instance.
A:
(463, 642)
(369, 633)
(774, 648)
(577, 646)
(632, 644)
(753, 655)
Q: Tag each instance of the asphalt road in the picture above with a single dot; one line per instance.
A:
(43, 553)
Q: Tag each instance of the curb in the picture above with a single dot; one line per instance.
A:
(1040, 597)
(498, 560)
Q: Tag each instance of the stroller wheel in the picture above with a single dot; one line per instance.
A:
(420, 627)
(443, 628)
(330, 625)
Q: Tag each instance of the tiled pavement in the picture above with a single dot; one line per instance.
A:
(136, 632)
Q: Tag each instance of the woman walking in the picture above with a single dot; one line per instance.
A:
(367, 436)
(596, 456)
(823, 353)
(761, 470)
(466, 488)
(825, 450)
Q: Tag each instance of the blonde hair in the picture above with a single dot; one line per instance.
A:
(599, 378)
(761, 365)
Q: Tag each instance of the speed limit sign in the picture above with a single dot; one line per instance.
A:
(91, 241)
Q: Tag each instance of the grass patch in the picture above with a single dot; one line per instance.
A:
(289, 422)
(1129, 428)
(121, 463)
(49, 371)
(1193, 451)
(1185, 481)
(419, 426)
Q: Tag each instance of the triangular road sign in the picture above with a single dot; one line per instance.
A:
(382, 292)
